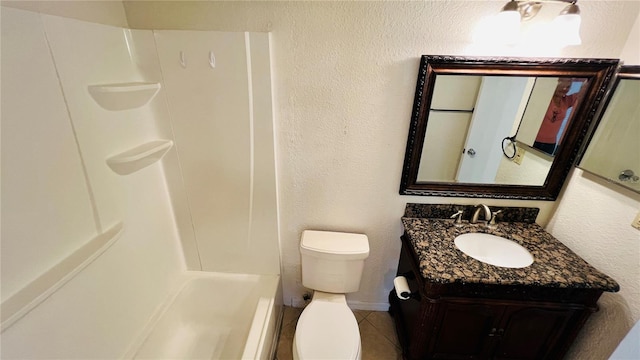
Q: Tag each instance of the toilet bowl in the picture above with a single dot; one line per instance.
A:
(327, 329)
(332, 264)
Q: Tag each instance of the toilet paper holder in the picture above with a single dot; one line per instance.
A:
(402, 290)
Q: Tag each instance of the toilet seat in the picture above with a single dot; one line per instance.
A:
(327, 330)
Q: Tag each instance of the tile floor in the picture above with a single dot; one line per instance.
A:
(377, 333)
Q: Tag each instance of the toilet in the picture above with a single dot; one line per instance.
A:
(332, 265)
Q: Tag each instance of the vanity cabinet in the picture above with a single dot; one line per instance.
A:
(485, 321)
(498, 330)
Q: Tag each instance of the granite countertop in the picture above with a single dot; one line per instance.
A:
(555, 265)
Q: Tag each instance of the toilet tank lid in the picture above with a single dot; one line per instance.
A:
(330, 242)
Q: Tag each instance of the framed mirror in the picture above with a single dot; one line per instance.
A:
(500, 127)
(613, 152)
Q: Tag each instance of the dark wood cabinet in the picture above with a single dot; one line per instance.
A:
(486, 321)
(531, 331)
(463, 331)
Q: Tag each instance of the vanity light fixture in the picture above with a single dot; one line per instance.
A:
(565, 27)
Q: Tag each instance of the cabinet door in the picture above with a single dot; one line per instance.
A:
(465, 331)
(532, 332)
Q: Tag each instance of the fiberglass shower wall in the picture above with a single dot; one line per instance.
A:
(88, 254)
(218, 87)
(90, 249)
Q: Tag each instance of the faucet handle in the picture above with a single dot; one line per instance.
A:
(493, 217)
(458, 214)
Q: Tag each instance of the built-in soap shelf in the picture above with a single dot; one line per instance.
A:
(38, 290)
(123, 96)
(139, 157)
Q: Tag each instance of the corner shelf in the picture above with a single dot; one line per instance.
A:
(139, 157)
(123, 96)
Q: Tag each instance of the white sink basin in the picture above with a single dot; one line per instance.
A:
(494, 250)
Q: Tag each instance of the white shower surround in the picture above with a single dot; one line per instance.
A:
(200, 321)
(104, 306)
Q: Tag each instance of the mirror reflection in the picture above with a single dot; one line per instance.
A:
(499, 127)
(480, 127)
(566, 94)
(614, 150)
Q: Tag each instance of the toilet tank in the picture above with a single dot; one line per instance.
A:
(333, 261)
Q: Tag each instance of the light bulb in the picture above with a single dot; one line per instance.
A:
(507, 23)
(566, 26)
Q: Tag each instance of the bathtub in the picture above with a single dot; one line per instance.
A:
(215, 316)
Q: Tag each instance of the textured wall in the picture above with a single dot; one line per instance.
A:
(344, 76)
(631, 52)
(593, 218)
(109, 12)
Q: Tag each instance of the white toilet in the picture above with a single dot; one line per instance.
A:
(332, 265)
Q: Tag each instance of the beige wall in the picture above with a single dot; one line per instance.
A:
(110, 12)
(594, 219)
(344, 76)
(631, 52)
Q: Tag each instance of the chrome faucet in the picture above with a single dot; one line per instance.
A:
(476, 214)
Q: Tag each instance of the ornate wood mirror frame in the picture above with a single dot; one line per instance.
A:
(597, 72)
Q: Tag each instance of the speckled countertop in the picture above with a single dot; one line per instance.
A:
(555, 265)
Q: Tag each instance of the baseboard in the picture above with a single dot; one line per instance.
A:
(360, 305)
(354, 305)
